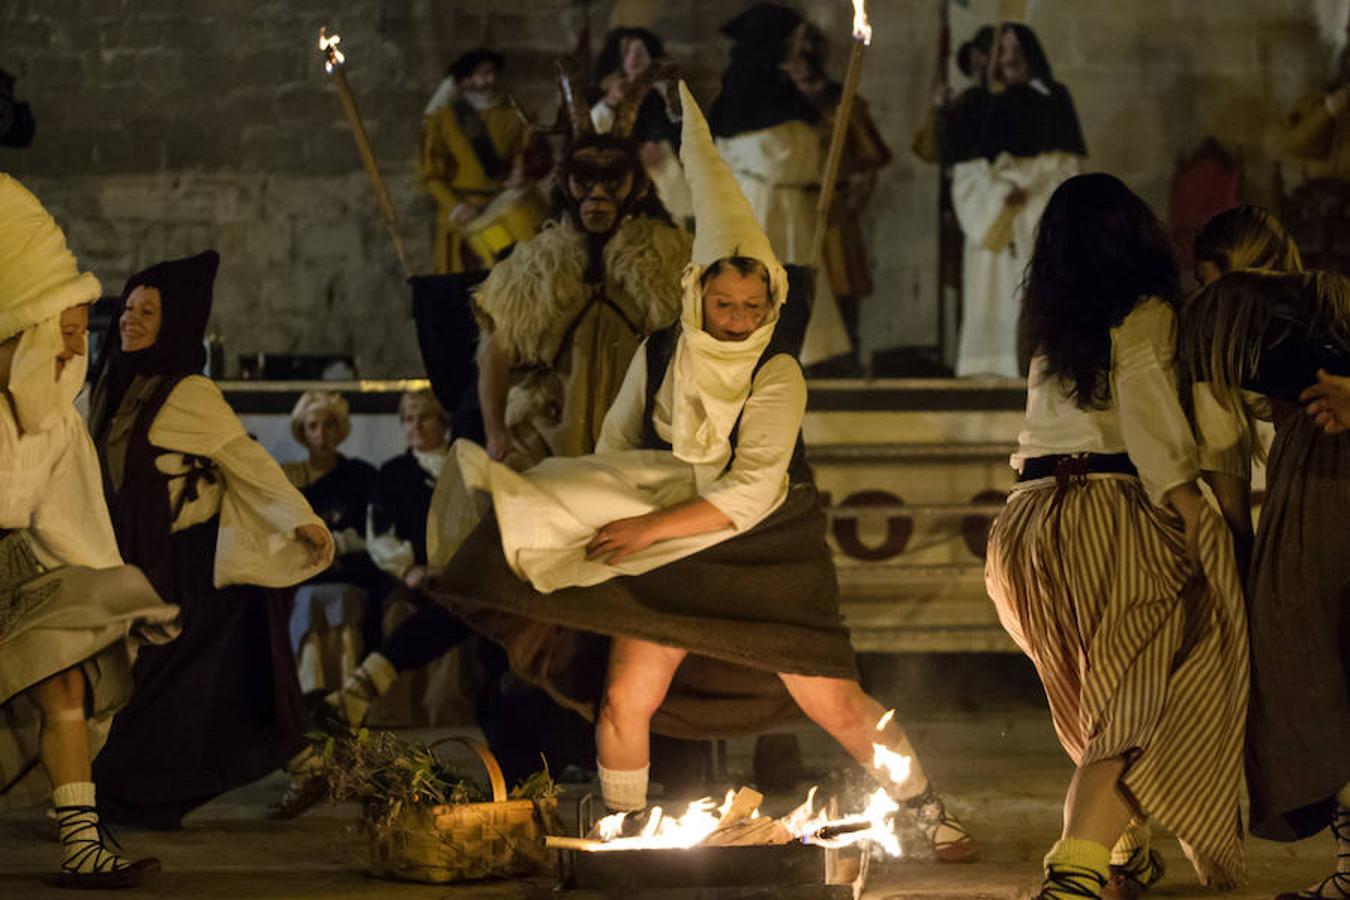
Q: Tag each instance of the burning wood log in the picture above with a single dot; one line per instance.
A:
(749, 832)
(743, 805)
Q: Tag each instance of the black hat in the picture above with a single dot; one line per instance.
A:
(468, 62)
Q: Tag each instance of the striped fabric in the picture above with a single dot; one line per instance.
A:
(1138, 658)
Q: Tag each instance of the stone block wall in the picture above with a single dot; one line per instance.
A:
(166, 126)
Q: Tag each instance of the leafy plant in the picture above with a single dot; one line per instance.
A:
(386, 773)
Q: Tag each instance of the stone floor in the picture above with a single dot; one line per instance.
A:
(1003, 769)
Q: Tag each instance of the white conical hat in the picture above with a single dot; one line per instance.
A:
(38, 274)
(724, 223)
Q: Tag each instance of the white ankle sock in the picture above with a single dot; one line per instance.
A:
(84, 848)
(624, 790)
(76, 793)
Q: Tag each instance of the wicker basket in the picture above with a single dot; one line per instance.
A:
(437, 844)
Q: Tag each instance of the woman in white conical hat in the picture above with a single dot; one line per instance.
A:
(678, 579)
(71, 614)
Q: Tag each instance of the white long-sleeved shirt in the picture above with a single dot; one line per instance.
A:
(757, 481)
(50, 485)
(259, 507)
(1143, 418)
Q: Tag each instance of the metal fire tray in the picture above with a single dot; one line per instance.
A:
(783, 865)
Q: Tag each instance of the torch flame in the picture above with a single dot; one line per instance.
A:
(862, 28)
(328, 46)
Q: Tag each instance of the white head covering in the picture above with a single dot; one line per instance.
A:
(712, 377)
(38, 279)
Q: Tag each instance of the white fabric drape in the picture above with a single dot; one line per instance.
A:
(259, 507)
(998, 246)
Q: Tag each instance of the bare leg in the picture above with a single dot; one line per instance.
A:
(1094, 808)
(850, 716)
(639, 676)
(64, 741)
(64, 750)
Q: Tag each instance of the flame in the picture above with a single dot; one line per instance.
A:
(328, 46)
(875, 823)
(862, 28)
(895, 765)
(663, 832)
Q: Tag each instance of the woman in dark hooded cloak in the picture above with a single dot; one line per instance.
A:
(211, 519)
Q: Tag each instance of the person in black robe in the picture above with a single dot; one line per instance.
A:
(209, 517)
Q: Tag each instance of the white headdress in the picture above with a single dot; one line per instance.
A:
(712, 377)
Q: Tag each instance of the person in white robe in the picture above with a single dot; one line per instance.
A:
(1030, 142)
(72, 615)
(768, 133)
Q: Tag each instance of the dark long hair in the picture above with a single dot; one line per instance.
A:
(610, 59)
(1099, 251)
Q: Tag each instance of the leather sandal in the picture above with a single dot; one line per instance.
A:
(951, 841)
(86, 840)
(302, 794)
(1131, 880)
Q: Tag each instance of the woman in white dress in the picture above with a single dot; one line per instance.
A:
(72, 616)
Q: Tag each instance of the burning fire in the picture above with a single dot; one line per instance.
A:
(702, 818)
(862, 28)
(328, 46)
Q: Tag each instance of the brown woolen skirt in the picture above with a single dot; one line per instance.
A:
(760, 603)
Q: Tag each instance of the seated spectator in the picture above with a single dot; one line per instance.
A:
(396, 529)
(331, 621)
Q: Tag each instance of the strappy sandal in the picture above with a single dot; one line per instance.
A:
(1130, 880)
(951, 841)
(1335, 886)
(86, 843)
(302, 794)
(1070, 881)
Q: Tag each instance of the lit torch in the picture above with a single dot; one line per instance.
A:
(333, 64)
(862, 36)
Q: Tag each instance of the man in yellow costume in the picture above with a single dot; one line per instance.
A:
(472, 149)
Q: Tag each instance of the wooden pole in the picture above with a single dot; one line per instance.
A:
(842, 114)
(382, 198)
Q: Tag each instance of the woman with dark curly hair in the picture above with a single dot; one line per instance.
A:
(1107, 567)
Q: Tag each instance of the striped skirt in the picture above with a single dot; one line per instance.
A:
(1140, 657)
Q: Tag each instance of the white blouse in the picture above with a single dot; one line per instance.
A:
(1143, 417)
(259, 507)
(1228, 439)
(757, 481)
(50, 484)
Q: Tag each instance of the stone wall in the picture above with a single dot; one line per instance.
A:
(165, 126)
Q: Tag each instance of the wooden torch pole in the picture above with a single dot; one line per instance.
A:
(334, 61)
(842, 114)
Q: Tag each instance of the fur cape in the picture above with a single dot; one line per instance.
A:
(533, 295)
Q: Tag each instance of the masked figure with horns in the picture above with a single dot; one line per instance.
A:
(689, 549)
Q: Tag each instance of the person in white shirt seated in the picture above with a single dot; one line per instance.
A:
(1109, 569)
